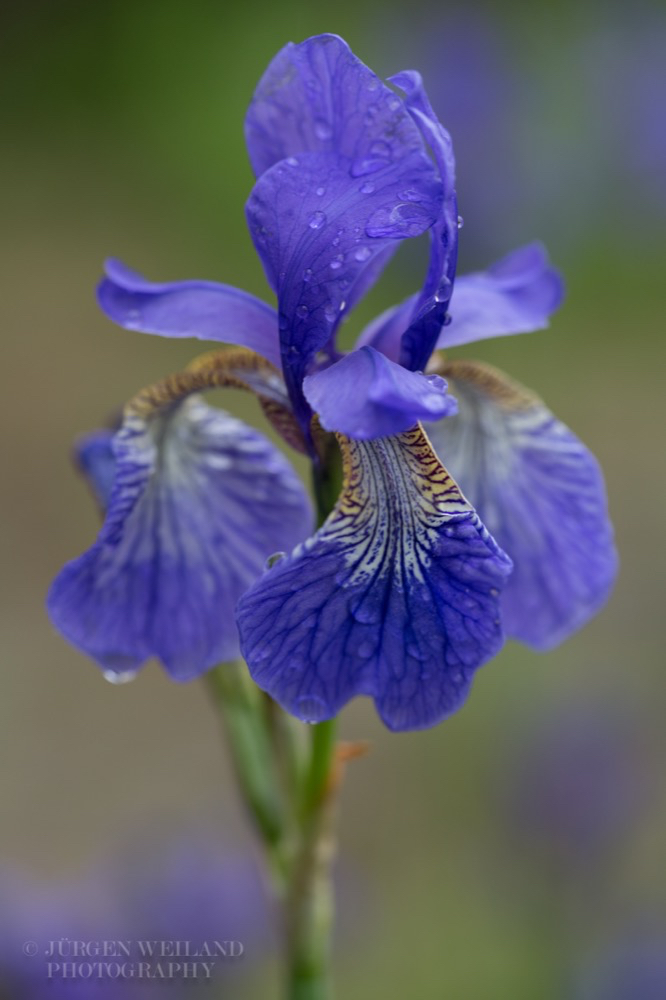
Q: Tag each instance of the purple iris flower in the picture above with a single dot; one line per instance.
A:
(398, 595)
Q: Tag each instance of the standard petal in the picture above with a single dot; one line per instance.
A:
(199, 501)
(541, 494)
(395, 597)
(430, 312)
(319, 97)
(320, 230)
(204, 310)
(517, 294)
(367, 396)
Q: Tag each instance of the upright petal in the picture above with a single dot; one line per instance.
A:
(319, 97)
(430, 312)
(517, 294)
(367, 396)
(204, 310)
(320, 229)
(540, 492)
(199, 501)
(395, 597)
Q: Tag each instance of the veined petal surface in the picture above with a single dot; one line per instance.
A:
(199, 501)
(319, 97)
(365, 395)
(204, 310)
(396, 596)
(320, 229)
(541, 494)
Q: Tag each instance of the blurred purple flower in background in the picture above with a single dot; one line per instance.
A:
(182, 890)
(580, 783)
(631, 967)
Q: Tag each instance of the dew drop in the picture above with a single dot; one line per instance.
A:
(119, 676)
(362, 253)
(330, 311)
(317, 220)
(367, 165)
(310, 708)
(366, 614)
(323, 129)
(373, 83)
(302, 311)
(443, 293)
(291, 161)
(411, 194)
(307, 274)
(393, 103)
(406, 219)
(461, 222)
(337, 262)
(275, 558)
(367, 188)
(320, 191)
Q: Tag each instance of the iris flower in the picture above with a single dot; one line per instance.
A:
(467, 510)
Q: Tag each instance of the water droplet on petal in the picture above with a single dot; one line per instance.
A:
(367, 165)
(310, 708)
(411, 194)
(302, 311)
(119, 676)
(292, 161)
(362, 253)
(406, 219)
(275, 558)
(307, 274)
(461, 222)
(337, 262)
(367, 188)
(317, 220)
(393, 103)
(323, 129)
(320, 191)
(366, 613)
(443, 293)
(373, 83)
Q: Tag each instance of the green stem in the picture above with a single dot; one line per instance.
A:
(309, 905)
(241, 705)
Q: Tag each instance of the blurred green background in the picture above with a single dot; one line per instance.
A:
(124, 137)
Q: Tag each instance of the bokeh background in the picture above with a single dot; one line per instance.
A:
(511, 851)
